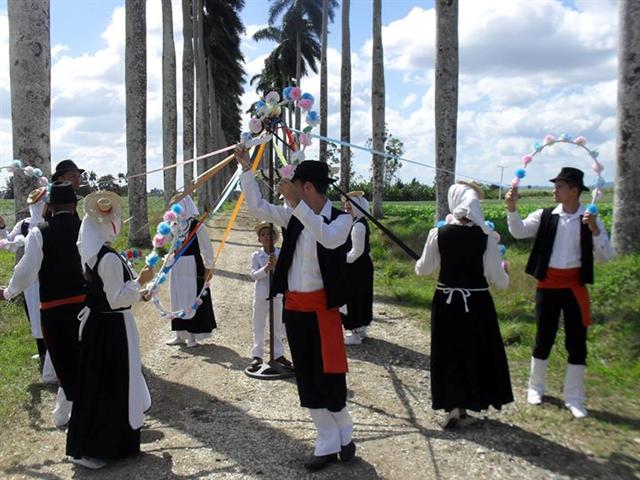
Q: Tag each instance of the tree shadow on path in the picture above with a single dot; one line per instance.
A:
(382, 352)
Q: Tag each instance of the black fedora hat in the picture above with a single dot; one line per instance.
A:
(573, 176)
(65, 166)
(313, 171)
(61, 193)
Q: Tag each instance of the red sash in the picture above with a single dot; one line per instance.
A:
(570, 278)
(334, 353)
(62, 301)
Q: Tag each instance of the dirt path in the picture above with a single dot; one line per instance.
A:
(209, 420)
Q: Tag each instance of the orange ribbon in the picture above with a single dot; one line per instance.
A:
(334, 353)
(569, 278)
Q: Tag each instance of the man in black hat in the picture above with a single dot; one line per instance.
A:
(310, 272)
(567, 238)
(51, 257)
(68, 171)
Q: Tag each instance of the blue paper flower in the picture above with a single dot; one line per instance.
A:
(592, 209)
(16, 163)
(520, 173)
(537, 146)
(441, 224)
(177, 208)
(307, 96)
(152, 259)
(490, 224)
(162, 278)
(37, 172)
(286, 93)
(164, 228)
(502, 249)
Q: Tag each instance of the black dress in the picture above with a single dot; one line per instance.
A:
(468, 362)
(360, 281)
(99, 425)
(204, 320)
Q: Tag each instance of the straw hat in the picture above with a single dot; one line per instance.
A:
(355, 193)
(36, 195)
(261, 225)
(103, 206)
(476, 186)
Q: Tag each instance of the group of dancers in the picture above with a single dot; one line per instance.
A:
(321, 281)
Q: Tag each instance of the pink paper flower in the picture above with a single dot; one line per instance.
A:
(515, 182)
(287, 171)
(255, 125)
(158, 241)
(526, 160)
(580, 141)
(549, 139)
(169, 216)
(597, 167)
(295, 93)
(305, 104)
(42, 181)
(304, 139)
(272, 97)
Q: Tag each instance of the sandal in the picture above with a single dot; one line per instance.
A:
(254, 366)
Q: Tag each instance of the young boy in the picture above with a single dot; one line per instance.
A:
(263, 262)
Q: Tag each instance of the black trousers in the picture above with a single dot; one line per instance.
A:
(316, 389)
(549, 304)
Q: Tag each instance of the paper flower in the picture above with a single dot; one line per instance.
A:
(152, 259)
(440, 224)
(42, 181)
(520, 173)
(526, 160)
(305, 104)
(597, 167)
(537, 146)
(496, 235)
(580, 140)
(158, 240)
(37, 172)
(255, 125)
(162, 278)
(566, 137)
(490, 225)
(313, 118)
(28, 171)
(592, 209)
(502, 250)
(272, 97)
(169, 216)
(261, 107)
(164, 228)
(297, 156)
(549, 139)
(295, 93)
(515, 182)
(16, 163)
(177, 208)
(594, 154)
(286, 93)
(505, 265)
(287, 171)
(304, 139)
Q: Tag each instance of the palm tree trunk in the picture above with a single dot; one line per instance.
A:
(298, 73)
(345, 97)
(187, 90)
(377, 108)
(626, 203)
(169, 102)
(30, 78)
(323, 80)
(136, 118)
(446, 100)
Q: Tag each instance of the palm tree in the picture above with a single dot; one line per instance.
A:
(446, 101)
(626, 231)
(30, 78)
(323, 79)
(309, 13)
(377, 108)
(202, 96)
(169, 101)
(187, 89)
(345, 98)
(136, 118)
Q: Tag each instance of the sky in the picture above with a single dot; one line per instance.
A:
(527, 68)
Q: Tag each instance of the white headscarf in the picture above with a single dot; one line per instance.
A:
(190, 209)
(93, 235)
(464, 203)
(363, 203)
(35, 212)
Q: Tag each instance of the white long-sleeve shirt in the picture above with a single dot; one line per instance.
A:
(358, 237)
(120, 294)
(26, 271)
(566, 251)
(260, 274)
(429, 262)
(304, 274)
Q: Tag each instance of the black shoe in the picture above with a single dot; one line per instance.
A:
(318, 463)
(255, 365)
(348, 451)
(284, 362)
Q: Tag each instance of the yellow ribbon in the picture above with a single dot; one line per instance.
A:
(280, 155)
(236, 209)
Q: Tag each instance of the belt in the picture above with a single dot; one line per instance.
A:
(465, 292)
(62, 301)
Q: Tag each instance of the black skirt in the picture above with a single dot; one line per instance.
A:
(204, 321)
(99, 425)
(468, 362)
(360, 302)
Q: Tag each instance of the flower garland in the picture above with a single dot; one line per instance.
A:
(579, 141)
(29, 171)
(267, 118)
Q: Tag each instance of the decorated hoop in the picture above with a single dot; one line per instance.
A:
(579, 141)
(29, 171)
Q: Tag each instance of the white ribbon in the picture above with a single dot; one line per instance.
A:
(83, 316)
(465, 292)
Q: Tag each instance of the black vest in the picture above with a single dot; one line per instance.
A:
(332, 263)
(543, 246)
(61, 270)
(367, 247)
(24, 228)
(96, 298)
(194, 248)
(462, 256)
